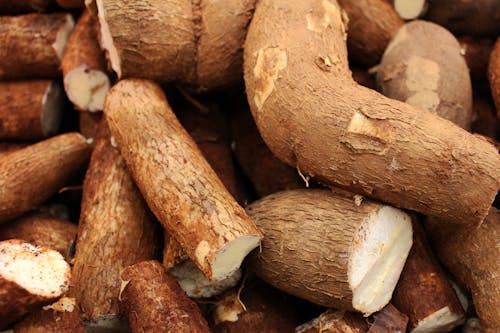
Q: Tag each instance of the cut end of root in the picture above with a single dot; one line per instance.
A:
(379, 254)
(52, 109)
(86, 88)
(196, 285)
(107, 40)
(107, 324)
(410, 9)
(228, 260)
(41, 272)
(63, 35)
(442, 320)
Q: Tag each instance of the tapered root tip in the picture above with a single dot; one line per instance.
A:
(378, 257)
(86, 88)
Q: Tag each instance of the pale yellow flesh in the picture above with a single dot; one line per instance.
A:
(410, 9)
(86, 88)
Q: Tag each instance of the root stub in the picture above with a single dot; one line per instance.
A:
(348, 257)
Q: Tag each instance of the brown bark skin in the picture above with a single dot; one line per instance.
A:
(6, 147)
(116, 230)
(16, 301)
(22, 110)
(42, 230)
(423, 288)
(27, 50)
(83, 49)
(153, 301)
(210, 132)
(51, 321)
(267, 173)
(176, 181)
(309, 238)
(475, 18)
(476, 52)
(471, 254)
(195, 42)
(89, 123)
(266, 310)
(71, 4)
(23, 6)
(30, 175)
(494, 75)
(388, 320)
(352, 136)
(372, 23)
(423, 66)
(335, 321)
(173, 253)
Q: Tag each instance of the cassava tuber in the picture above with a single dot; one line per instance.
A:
(335, 321)
(176, 181)
(313, 116)
(494, 75)
(410, 9)
(331, 250)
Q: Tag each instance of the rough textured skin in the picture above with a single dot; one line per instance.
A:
(312, 115)
(494, 75)
(372, 23)
(309, 239)
(176, 181)
(83, 49)
(16, 301)
(6, 147)
(71, 4)
(154, 302)
(21, 109)
(196, 42)
(388, 320)
(267, 173)
(475, 18)
(266, 310)
(42, 230)
(476, 52)
(471, 254)
(30, 175)
(173, 253)
(423, 287)
(51, 321)
(210, 132)
(89, 123)
(423, 66)
(116, 230)
(23, 6)
(27, 50)
(334, 321)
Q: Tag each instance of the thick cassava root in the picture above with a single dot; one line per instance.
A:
(494, 75)
(33, 45)
(84, 68)
(29, 176)
(325, 248)
(30, 110)
(154, 302)
(195, 42)
(423, 66)
(354, 137)
(30, 277)
(195, 207)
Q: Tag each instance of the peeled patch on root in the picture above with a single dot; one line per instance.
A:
(322, 17)
(368, 135)
(440, 321)
(270, 62)
(62, 36)
(421, 74)
(107, 39)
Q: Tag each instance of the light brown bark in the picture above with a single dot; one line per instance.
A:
(30, 110)
(89, 123)
(30, 175)
(33, 44)
(312, 115)
(335, 321)
(388, 320)
(116, 230)
(153, 301)
(176, 181)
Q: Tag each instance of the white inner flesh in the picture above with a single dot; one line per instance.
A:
(107, 324)
(107, 41)
(196, 285)
(40, 272)
(410, 9)
(63, 35)
(52, 109)
(442, 320)
(86, 88)
(229, 258)
(379, 254)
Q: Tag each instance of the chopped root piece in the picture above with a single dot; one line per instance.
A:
(410, 9)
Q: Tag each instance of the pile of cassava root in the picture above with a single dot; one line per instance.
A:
(194, 166)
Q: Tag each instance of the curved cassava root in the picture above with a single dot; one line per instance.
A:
(312, 115)
(423, 66)
(325, 248)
